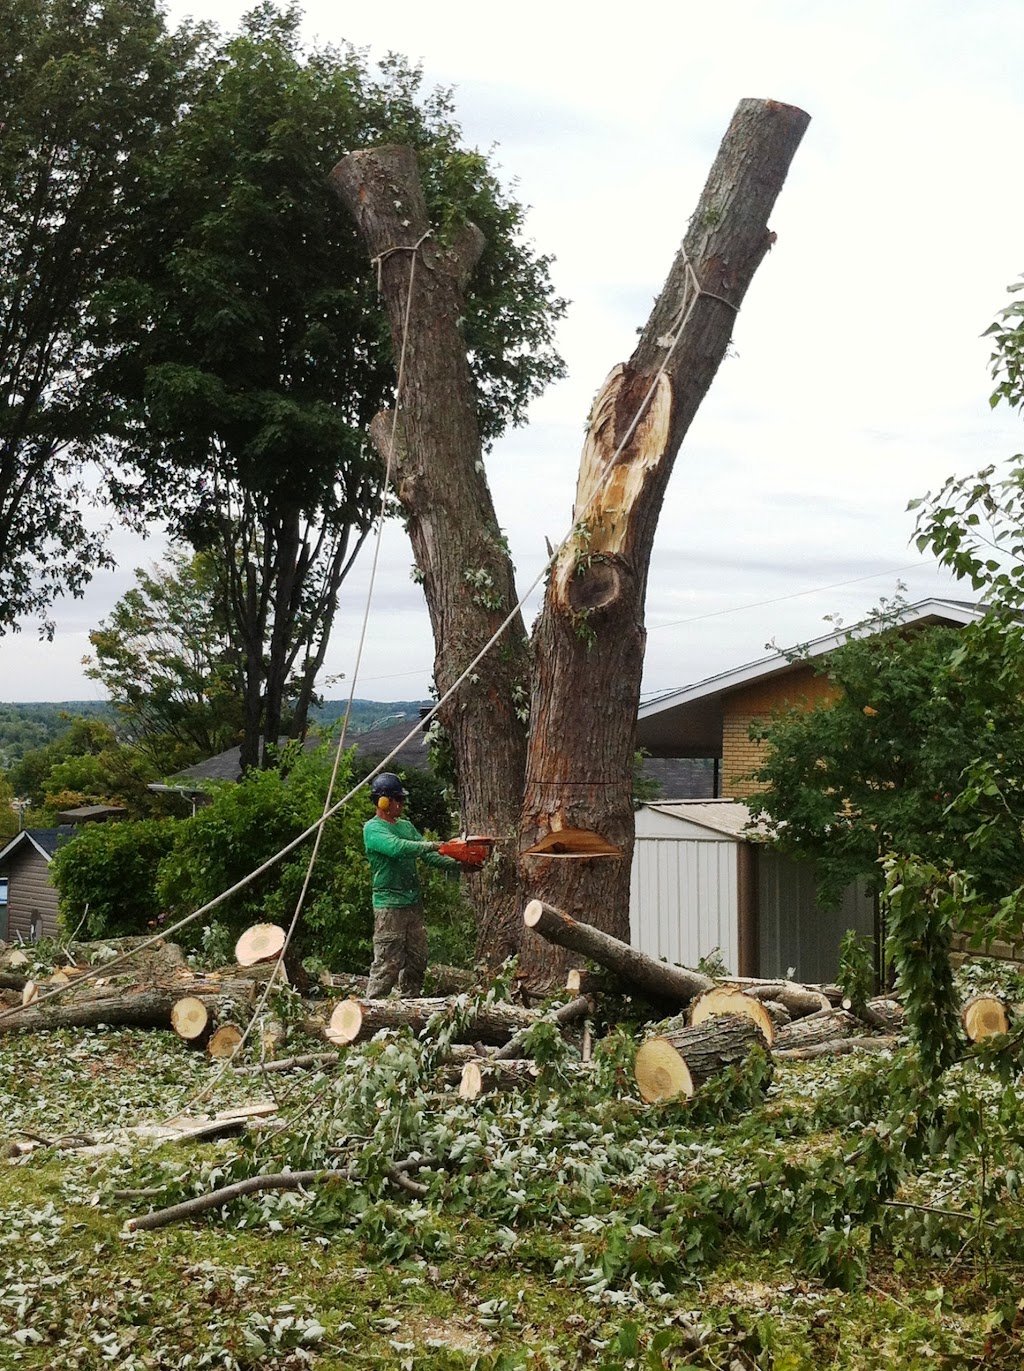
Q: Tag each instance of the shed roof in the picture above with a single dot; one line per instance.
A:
(688, 722)
(731, 817)
(45, 840)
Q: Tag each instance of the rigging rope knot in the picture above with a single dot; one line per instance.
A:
(382, 256)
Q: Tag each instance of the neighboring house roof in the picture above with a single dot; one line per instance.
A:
(730, 817)
(85, 813)
(226, 766)
(688, 722)
(45, 840)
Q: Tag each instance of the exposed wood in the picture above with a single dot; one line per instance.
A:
(659, 979)
(356, 1020)
(224, 1041)
(259, 943)
(822, 1027)
(676, 1063)
(572, 842)
(721, 1000)
(189, 1018)
(983, 1016)
(480, 1077)
(14, 960)
(29, 993)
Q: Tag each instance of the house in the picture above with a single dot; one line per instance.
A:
(702, 878)
(712, 719)
(28, 900)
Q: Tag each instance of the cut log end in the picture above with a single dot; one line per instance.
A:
(471, 1086)
(29, 993)
(225, 1041)
(189, 1018)
(722, 1000)
(983, 1016)
(259, 943)
(533, 913)
(345, 1023)
(661, 1073)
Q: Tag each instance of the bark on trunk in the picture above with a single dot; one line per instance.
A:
(579, 759)
(139, 1007)
(678, 1063)
(458, 546)
(817, 1028)
(356, 1020)
(481, 1077)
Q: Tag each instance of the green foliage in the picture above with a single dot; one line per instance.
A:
(246, 344)
(166, 659)
(88, 91)
(857, 976)
(106, 877)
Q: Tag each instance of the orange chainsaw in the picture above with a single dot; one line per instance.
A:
(468, 852)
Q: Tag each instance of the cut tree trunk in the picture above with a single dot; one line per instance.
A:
(356, 1020)
(983, 1016)
(459, 548)
(579, 773)
(677, 1063)
(798, 999)
(660, 980)
(190, 1018)
(260, 943)
(134, 1007)
(224, 1041)
(591, 629)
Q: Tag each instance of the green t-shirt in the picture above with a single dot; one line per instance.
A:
(392, 850)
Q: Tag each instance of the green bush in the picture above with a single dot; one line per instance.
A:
(106, 877)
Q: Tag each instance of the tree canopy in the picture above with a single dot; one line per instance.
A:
(247, 354)
(87, 91)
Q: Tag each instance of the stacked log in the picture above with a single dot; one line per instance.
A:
(355, 1020)
(675, 1064)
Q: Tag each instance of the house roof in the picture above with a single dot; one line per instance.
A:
(688, 722)
(45, 840)
(378, 742)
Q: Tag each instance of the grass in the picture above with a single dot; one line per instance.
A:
(555, 1242)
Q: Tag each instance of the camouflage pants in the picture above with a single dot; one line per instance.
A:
(399, 951)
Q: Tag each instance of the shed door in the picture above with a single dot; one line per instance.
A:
(795, 931)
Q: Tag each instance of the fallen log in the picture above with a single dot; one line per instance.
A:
(678, 1062)
(823, 1027)
(722, 1000)
(798, 999)
(482, 1077)
(224, 1041)
(356, 1020)
(567, 1013)
(88, 1005)
(837, 1047)
(660, 980)
(190, 1018)
(882, 1012)
(259, 943)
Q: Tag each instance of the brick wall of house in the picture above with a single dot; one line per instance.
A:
(801, 688)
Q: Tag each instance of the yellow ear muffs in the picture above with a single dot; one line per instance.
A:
(383, 804)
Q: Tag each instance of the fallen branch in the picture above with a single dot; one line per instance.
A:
(567, 1013)
(214, 1199)
(837, 1047)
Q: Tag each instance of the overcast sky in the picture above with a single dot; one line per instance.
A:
(858, 377)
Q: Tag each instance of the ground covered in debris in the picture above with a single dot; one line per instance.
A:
(838, 1218)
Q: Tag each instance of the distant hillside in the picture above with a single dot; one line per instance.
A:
(24, 727)
(369, 714)
(32, 724)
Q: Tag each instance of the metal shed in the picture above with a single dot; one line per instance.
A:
(702, 880)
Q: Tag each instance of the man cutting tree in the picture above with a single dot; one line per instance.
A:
(393, 846)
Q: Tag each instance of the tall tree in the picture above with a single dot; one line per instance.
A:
(169, 664)
(588, 645)
(251, 356)
(86, 91)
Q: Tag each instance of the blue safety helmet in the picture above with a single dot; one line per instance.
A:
(387, 785)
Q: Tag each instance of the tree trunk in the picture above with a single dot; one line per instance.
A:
(823, 1027)
(356, 1020)
(460, 551)
(139, 1007)
(588, 647)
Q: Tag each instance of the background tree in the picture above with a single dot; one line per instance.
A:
(901, 760)
(250, 353)
(169, 665)
(86, 91)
